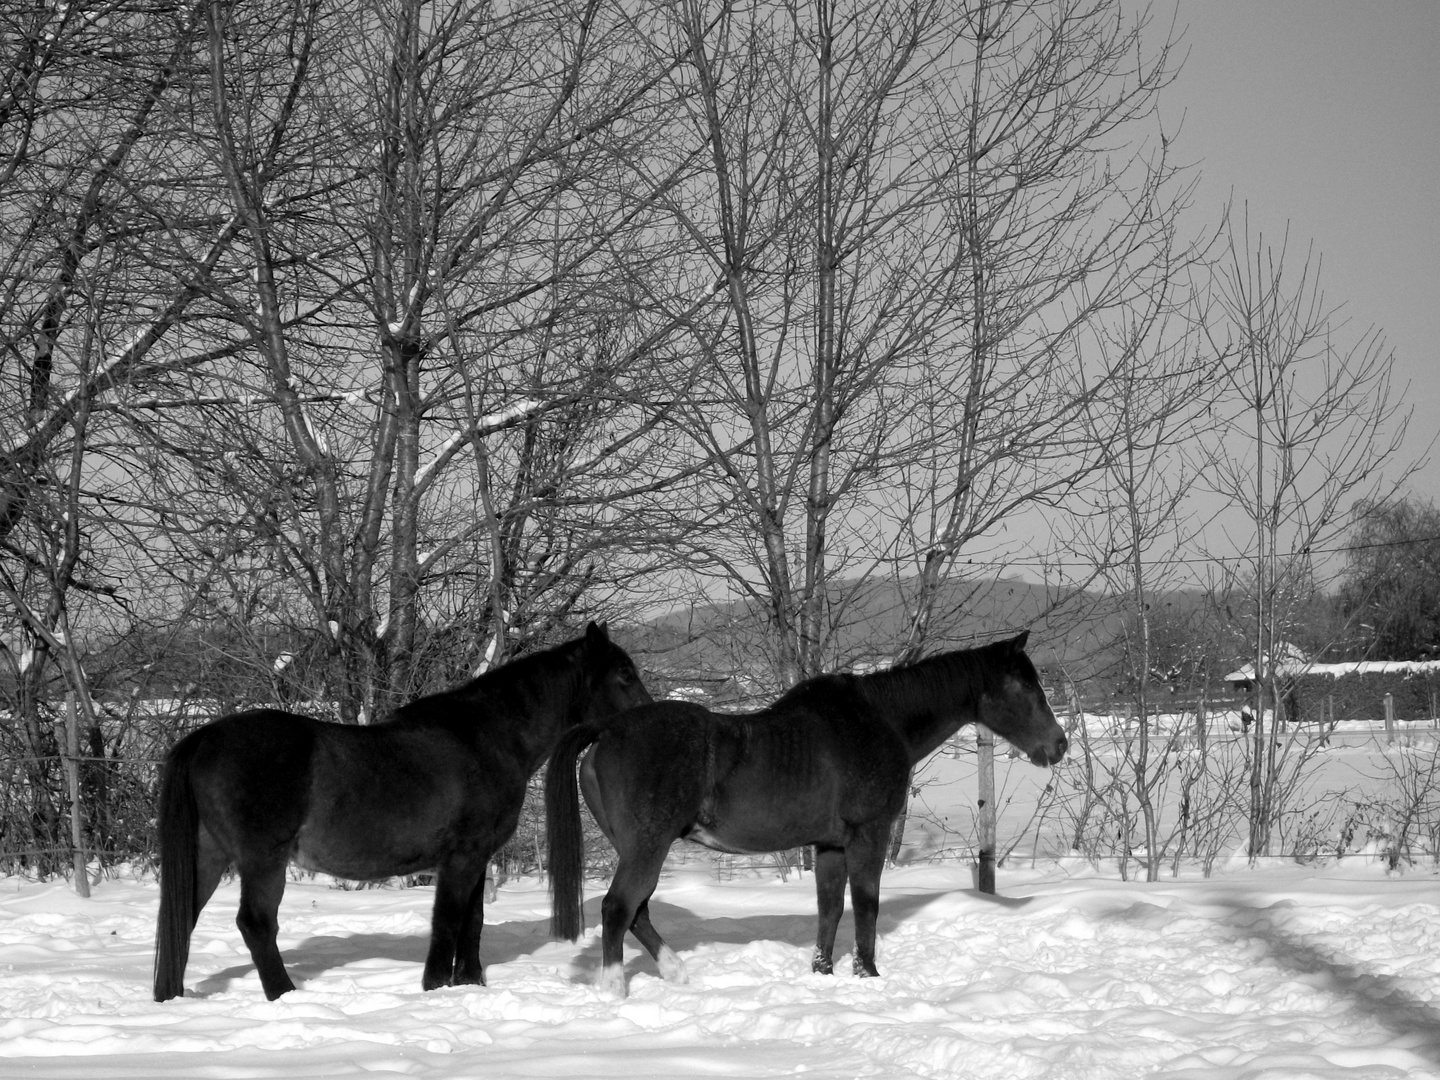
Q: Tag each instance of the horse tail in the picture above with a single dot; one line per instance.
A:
(179, 834)
(563, 831)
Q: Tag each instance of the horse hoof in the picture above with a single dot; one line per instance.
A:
(865, 971)
(672, 968)
(821, 964)
(612, 980)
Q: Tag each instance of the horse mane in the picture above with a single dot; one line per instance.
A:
(919, 684)
(499, 680)
(522, 669)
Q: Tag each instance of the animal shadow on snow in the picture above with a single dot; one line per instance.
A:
(1381, 997)
(314, 956)
(683, 930)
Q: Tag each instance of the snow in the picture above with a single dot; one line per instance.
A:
(519, 410)
(322, 443)
(1278, 971)
(489, 657)
(1375, 667)
(491, 422)
(1293, 662)
(422, 476)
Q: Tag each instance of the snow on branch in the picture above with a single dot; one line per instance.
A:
(521, 410)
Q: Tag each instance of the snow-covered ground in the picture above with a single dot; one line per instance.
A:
(1358, 760)
(1277, 972)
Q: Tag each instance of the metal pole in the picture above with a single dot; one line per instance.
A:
(985, 763)
(72, 781)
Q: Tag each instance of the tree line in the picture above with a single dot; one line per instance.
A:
(351, 348)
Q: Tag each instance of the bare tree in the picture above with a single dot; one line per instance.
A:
(109, 245)
(916, 232)
(1067, 252)
(1137, 527)
(470, 198)
(1308, 426)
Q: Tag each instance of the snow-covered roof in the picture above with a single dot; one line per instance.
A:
(1291, 662)
(1352, 667)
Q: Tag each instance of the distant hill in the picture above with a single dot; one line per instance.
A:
(717, 644)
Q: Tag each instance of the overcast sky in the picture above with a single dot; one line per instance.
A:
(1326, 114)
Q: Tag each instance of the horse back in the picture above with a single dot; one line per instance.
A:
(826, 730)
(359, 802)
(807, 770)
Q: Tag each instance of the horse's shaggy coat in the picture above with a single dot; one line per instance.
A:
(826, 764)
(438, 787)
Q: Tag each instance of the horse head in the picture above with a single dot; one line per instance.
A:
(611, 678)
(1015, 708)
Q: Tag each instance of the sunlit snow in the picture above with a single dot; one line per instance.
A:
(1282, 971)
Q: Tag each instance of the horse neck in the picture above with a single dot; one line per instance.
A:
(527, 703)
(926, 702)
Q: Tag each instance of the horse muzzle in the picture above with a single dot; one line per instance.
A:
(1050, 753)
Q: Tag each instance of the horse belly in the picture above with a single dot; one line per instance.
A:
(704, 835)
(754, 827)
(362, 857)
(375, 838)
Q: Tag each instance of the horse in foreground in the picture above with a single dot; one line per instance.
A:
(827, 764)
(438, 787)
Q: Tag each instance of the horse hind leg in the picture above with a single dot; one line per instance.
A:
(210, 865)
(672, 968)
(260, 892)
(830, 905)
(865, 857)
(634, 881)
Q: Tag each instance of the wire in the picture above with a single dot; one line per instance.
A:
(1204, 560)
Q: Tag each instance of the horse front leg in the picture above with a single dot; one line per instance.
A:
(865, 858)
(830, 902)
(457, 886)
(468, 971)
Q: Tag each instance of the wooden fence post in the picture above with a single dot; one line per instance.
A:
(77, 811)
(1390, 718)
(985, 765)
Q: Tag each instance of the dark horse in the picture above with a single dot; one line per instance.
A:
(826, 764)
(437, 787)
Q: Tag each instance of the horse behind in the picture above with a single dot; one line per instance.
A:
(438, 787)
(826, 764)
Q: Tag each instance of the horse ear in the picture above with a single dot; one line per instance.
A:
(1018, 641)
(597, 633)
